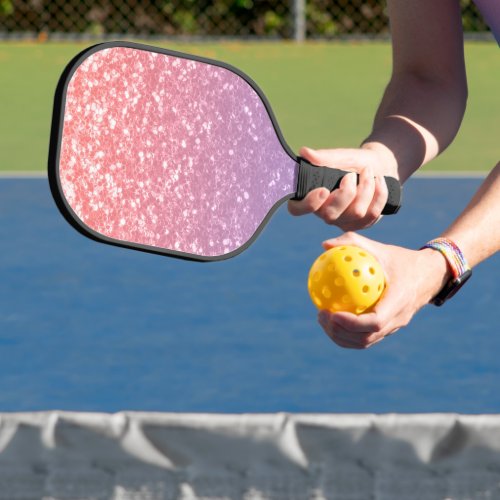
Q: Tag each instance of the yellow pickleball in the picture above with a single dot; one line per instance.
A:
(346, 278)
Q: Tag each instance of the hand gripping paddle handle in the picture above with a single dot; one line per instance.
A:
(312, 177)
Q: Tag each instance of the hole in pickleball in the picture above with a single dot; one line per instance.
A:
(356, 273)
(360, 309)
(339, 281)
(331, 268)
(346, 299)
(379, 287)
(372, 270)
(317, 276)
(317, 301)
(327, 293)
(362, 254)
(336, 306)
(366, 289)
(348, 258)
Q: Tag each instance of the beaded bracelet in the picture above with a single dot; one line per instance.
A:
(460, 269)
(452, 254)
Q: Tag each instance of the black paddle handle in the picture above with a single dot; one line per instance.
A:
(312, 177)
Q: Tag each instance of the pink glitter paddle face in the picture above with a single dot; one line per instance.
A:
(167, 153)
(171, 153)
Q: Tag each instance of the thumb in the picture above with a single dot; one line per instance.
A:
(312, 155)
(338, 158)
(349, 238)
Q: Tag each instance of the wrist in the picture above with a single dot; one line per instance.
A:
(386, 156)
(437, 272)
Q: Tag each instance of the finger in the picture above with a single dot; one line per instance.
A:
(338, 201)
(380, 196)
(353, 341)
(366, 208)
(362, 324)
(312, 155)
(393, 332)
(324, 318)
(340, 335)
(347, 338)
(343, 343)
(362, 340)
(373, 342)
(375, 339)
(311, 203)
(382, 320)
(365, 191)
(341, 340)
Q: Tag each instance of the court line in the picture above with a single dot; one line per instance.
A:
(452, 174)
(23, 174)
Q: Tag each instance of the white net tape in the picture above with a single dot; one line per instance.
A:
(160, 456)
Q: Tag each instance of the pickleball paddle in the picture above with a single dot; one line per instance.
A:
(172, 153)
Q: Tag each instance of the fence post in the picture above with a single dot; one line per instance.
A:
(299, 20)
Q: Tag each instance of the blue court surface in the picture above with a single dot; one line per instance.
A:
(91, 327)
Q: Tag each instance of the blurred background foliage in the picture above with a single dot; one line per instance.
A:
(205, 18)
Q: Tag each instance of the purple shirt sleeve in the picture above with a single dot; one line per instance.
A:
(490, 9)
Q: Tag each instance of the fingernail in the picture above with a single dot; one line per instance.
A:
(324, 194)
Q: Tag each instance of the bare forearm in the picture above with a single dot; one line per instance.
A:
(416, 121)
(424, 103)
(477, 230)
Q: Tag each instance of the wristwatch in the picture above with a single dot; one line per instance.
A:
(460, 270)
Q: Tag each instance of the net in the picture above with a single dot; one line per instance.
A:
(153, 456)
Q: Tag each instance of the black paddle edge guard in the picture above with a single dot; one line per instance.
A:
(312, 177)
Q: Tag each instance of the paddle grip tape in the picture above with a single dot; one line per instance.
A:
(312, 177)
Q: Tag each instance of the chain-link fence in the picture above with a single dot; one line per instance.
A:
(206, 18)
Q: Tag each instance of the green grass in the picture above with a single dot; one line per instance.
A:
(323, 95)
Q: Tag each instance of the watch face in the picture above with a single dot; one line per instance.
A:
(451, 288)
